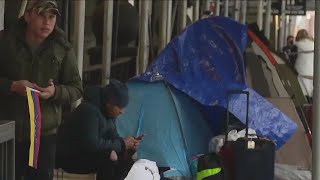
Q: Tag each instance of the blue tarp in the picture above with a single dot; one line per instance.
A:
(205, 61)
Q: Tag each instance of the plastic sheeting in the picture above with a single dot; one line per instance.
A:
(195, 61)
(173, 123)
(205, 61)
(264, 118)
(286, 172)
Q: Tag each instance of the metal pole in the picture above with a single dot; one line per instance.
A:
(174, 15)
(267, 20)
(243, 11)
(290, 24)
(217, 7)
(169, 19)
(182, 15)
(287, 28)
(79, 24)
(226, 8)
(276, 32)
(107, 41)
(78, 37)
(207, 5)
(143, 53)
(163, 24)
(282, 25)
(196, 6)
(260, 14)
(66, 19)
(237, 10)
(2, 8)
(23, 8)
(316, 98)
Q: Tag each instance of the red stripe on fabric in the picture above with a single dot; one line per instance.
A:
(263, 47)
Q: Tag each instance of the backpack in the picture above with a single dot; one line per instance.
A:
(210, 167)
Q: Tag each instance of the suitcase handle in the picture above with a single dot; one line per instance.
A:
(232, 92)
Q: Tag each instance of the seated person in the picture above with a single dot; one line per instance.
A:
(88, 141)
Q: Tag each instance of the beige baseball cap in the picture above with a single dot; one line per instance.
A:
(43, 6)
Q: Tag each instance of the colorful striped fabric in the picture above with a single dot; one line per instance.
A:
(35, 126)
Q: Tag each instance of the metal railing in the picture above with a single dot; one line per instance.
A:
(7, 150)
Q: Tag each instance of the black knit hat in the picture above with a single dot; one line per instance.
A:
(115, 92)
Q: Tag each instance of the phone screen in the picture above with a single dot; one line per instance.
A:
(140, 137)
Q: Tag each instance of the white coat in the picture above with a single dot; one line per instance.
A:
(304, 65)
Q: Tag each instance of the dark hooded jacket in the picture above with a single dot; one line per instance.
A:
(87, 129)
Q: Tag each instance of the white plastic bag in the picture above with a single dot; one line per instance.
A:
(143, 169)
(217, 142)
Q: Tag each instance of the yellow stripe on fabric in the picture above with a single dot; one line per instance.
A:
(32, 126)
(208, 172)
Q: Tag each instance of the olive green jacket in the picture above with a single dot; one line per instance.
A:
(54, 59)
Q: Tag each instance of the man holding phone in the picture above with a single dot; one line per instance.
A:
(88, 141)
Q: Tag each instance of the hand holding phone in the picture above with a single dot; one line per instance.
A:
(140, 137)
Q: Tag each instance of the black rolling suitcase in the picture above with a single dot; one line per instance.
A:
(248, 158)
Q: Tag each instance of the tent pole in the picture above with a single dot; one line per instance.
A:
(267, 20)
(107, 41)
(282, 25)
(260, 14)
(196, 6)
(226, 8)
(316, 99)
(143, 53)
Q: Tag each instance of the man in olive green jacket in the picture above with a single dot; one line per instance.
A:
(34, 53)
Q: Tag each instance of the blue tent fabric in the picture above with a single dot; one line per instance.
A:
(173, 123)
(200, 55)
(205, 61)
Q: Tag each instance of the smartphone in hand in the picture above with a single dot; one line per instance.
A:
(140, 137)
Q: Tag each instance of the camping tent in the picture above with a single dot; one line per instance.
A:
(173, 123)
(203, 62)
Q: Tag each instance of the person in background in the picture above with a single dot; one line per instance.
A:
(290, 50)
(35, 53)
(304, 62)
(88, 141)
